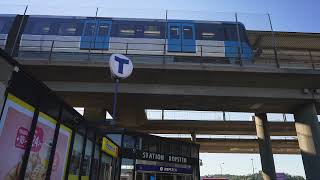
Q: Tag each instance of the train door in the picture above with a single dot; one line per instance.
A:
(96, 34)
(181, 37)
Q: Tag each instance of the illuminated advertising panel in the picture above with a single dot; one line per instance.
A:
(15, 123)
(109, 147)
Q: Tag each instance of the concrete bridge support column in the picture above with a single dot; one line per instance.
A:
(308, 132)
(265, 149)
(94, 114)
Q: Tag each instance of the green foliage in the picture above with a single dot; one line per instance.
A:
(257, 176)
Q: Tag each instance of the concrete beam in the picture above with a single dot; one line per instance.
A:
(182, 90)
(214, 145)
(132, 117)
(95, 114)
(215, 127)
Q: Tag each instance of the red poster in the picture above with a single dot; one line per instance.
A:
(41, 148)
(14, 127)
(61, 154)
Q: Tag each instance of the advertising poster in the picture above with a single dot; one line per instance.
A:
(41, 148)
(61, 155)
(14, 128)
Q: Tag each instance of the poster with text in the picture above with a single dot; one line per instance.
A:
(61, 155)
(41, 147)
(15, 123)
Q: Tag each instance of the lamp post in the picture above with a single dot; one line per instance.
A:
(221, 168)
(253, 168)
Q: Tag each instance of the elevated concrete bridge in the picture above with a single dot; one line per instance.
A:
(282, 79)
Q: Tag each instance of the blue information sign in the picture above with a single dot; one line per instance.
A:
(163, 169)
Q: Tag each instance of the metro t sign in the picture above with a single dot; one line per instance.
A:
(120, 66)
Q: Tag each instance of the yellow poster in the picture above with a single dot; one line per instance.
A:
(109, 147)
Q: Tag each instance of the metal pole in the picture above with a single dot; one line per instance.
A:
(284, 117)
(50, 55)
(116, 87)
(311, 59)
(274, 41)
(165, 39)
(239, 40)
(93, 33)
(19, 29)
(252, 169)
(221, 169)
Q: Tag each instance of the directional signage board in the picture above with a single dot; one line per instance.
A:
(120, 66)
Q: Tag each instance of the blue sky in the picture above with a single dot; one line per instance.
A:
(287, 15)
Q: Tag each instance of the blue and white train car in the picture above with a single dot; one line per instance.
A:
(179, 38)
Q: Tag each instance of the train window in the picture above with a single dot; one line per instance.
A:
(68, 29)
(90, 29)
(2, 23)
(42, 28)
(103, 29)
(209, 32)
(207, 35)
(231, 33)
(152, 31)
(127, 30)
(175, 32)
(187, 32)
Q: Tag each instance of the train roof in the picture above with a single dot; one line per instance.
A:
(129, 19)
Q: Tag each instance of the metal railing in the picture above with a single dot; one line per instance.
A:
(63, 51)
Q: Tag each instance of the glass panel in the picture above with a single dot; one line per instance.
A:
(188, 32)
(174, 32)
(41, 28)
(165, 177)
(95, 163)
(116, 138)
(126, 30)
(152, 31)
(2, 23)
(105, 168)
(85, 169)
(61, 153)
(207, 36)
(103, 29)
(89, 31)
(151, 177)
(139, 176)
(67, 29)
(128, 141)
(74, 169)
(15, 123)
(127, 167)
(41, 148)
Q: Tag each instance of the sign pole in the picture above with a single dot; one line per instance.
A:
(121, 67)
(116, 87)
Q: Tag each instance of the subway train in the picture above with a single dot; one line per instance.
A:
(176, 38)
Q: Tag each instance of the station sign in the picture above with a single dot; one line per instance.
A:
(151, 156)
(121, 66)
(109, 147)
(163, 169)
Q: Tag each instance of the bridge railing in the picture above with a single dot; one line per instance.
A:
(69, 51)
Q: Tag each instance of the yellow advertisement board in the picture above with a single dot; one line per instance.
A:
(109, 147)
